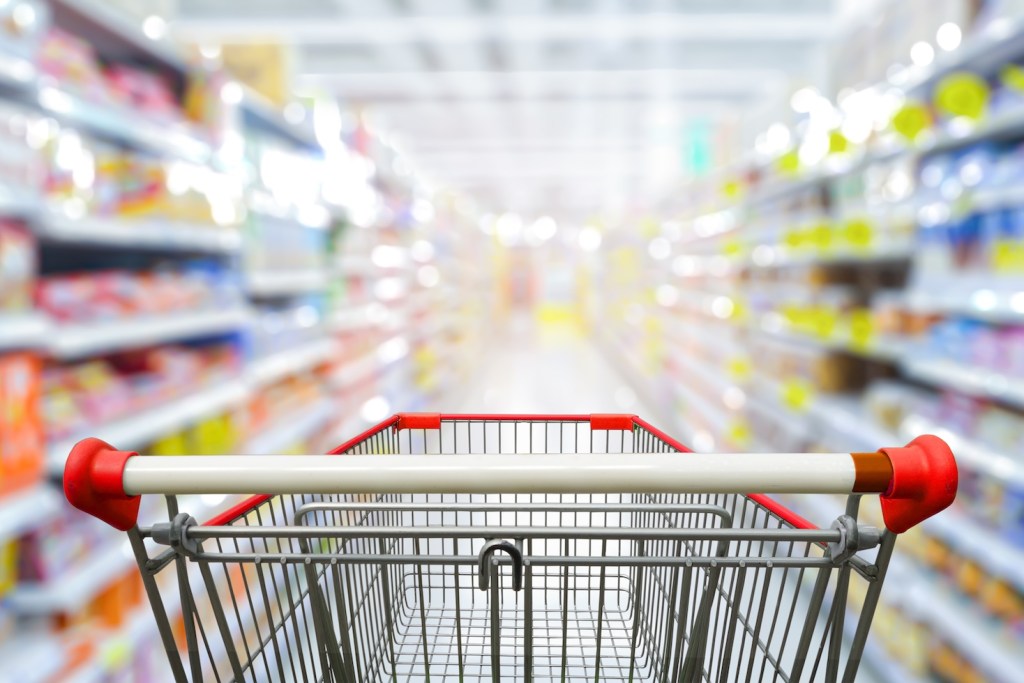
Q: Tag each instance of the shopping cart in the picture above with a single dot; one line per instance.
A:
(533, 548)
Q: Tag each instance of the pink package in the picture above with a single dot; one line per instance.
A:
(985, 346)
(142, 90)
(1011, 352)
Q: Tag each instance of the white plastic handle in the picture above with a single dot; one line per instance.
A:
(492, 473)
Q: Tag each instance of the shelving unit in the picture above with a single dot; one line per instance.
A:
(141, 428)
(90, 339)
(72, 590)
(716, 278)
(54, 226)
(285, 283)
(25, 510)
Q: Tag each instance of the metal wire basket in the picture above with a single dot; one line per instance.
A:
(534, 548)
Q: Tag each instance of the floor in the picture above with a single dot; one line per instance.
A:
(533, 368)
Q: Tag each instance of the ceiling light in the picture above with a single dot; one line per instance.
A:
(803, 100)
(778, 137)
(589, 238)
(659, 249)
(948, 36)
(231, 93)
(922, 54)
(155, 27)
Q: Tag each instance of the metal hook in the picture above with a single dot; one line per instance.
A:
(517, 562)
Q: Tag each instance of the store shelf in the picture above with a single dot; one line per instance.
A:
(349, 429)
(355, 265)
(22, 331)
(1003, 125)
(72, 590)
(983, 52)
(883, 349)
(967, 379)
(143, 427)
(55, 226)
(16, 73)
(847, 425)
(111, 648)
(355, 371)
(78, 340)
(21, 511)
(998, 555)
(882, 253)
(269, 283)
(166, 138)
(974, 456)
(31, 658)
(290, 429)
(989, 305)
(282, 364)
(355, 318)
(987, 646)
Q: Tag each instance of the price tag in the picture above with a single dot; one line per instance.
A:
(788, 163)
(858, 233)
(821, 235)
(862, 328)
(739, 368)
(732, 248)
(739, 433)
(796, 394)
(1012, 76)
(962, 94)
(837, 143)
(912, 119)
(732, 189)
(117, 655)
(823, 322)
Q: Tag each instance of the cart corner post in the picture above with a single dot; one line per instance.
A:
(93, 483)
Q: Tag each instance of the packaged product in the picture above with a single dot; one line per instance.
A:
(8, 566)
(71, 62)
(17, 267)
(22, 450)
(142, 91)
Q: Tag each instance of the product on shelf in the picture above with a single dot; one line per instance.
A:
(17, 268)
(21, 428)
(282, 245)
(141, 90)
(117, 295)
(281, 401)
(71, 62)
(282, 327)
(80, 395)
(21, 164)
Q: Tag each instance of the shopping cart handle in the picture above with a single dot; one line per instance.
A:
(915, 481)
(94, 483)
(924, 482)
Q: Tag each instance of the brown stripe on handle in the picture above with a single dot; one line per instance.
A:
(873, 472)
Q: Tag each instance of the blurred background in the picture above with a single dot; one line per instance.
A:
(259, 227)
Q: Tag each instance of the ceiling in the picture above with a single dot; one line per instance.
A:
(571, 108)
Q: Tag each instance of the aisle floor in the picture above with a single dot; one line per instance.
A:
(529, 367)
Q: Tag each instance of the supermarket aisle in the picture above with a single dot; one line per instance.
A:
(529, 367)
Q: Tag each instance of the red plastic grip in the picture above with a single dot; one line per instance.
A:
(924, 482)
(93, 483)
(418, 421)
(601, 422)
